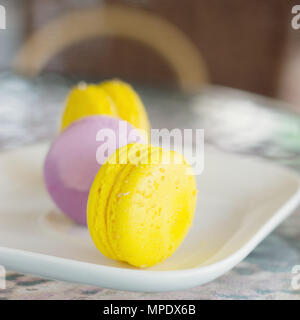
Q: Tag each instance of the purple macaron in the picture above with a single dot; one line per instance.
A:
(76, 156)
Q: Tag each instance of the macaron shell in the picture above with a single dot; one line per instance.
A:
(149, 220)
(128, 103)
(87, 100)
(74, 160)
(97, 202)
(100, 193)
(96, 217)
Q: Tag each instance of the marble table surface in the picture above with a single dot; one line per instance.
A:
(233, 121)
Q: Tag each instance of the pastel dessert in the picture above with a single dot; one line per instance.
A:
(129, 105)
(141, 204)
(87, 100)
(76, 156)
(115, 98)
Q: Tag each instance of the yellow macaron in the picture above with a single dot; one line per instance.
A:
(129, 105)
(87, 100)
(141, 204)
(115, 98)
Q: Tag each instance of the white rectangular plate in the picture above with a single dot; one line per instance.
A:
(240, 201)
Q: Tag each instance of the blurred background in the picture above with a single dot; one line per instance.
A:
(248, 45)
(231, 67)
(185, 58)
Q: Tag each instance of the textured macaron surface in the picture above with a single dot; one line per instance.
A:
(73, 161)
(115, 98)
(141, 214)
